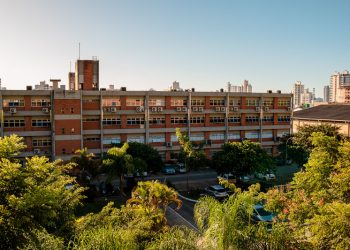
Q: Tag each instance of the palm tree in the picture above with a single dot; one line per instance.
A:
(153, 197)
(85, 163)
(117, 163)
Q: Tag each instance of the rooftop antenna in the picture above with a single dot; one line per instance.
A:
(79, 50)
(0, 83)
(70, 66)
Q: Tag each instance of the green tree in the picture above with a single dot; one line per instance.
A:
(117, 163)
(153, 197)
(36, 198)
(10, 146)
(300, 146)
(148, 154)
(86, 165)
(316, 207)
(242, 158)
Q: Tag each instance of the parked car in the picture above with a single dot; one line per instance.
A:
(180, 168)
(260, 214)
(227, 176)
(245, 178)
(266, 176)
(169, 169)
(141, 174)
(216, 191)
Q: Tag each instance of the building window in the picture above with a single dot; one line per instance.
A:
(252, 102)
(173, 138)
(267, 134)
(136, 138)
(92, 138)
(63, 131)
(281, 133)
(41, 142)
(178, 120)
(197, 137)
(41, 123)
(134, 102)
(71, 110)
(156, 120)
(13, 103)
(217, 136)
(63, 151)
(252, 134)
(197, 120)
(268, 102)
(13, 123)
(157, 138)
(91, 100)
(268, 118)
(111, 121)
(234, 119)
(91, 119)
(217, 119)
(111, 140)
(283, 118)
(252, 118)
(156, 102)
(41, 102)
(283, 102)
(62, 110)
(135, 120)
(197, 102)
(217, 102)
(113, 102)
(178, 102)
(235, 102)
(234, 136)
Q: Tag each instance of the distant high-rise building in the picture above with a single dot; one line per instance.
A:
(339, 87)
(298, 89)
(86, 75)
(326, 93)
(306, 98)
(245, 87)
(71, 80)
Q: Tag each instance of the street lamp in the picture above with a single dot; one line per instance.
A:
(287, 146)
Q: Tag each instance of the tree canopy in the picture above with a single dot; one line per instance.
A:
(242, 158)
(10, 146)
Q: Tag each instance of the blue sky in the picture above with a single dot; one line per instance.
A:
(200, 43)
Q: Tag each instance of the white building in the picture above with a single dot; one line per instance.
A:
(244, 88)
(298, 89)
(339, 87)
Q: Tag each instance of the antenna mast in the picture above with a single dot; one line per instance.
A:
(79, 50)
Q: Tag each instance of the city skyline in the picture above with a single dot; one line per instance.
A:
(150, 44)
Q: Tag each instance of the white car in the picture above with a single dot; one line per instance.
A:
(216, 191)
(266, 176)
(227, 176)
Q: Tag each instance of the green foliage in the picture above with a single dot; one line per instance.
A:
(316, 207)
(242, 158)
(35, 198)
(86, 165)
(148, 154)
(117, 163)
(10, 146)
(153, 197)
(192, 155)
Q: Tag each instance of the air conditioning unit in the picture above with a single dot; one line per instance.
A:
(178, 109)
(257, 109)
(266, 109)
(160, 109)
(200, 109)
(169, 144)
(36, 151)
(223, 109)
(154, 109)
(113, 109)
(235, 109)
(184, 109)
(289, 108)
(13, 110)
(107, 110)
(195, 109)
(217, 109)
(45, 110)
(140, 109)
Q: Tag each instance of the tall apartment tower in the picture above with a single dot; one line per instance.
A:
(339, 87)
(86, 75)
(298, 90)
(326, 93)
(245, 87)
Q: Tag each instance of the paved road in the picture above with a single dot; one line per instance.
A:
(183, 216)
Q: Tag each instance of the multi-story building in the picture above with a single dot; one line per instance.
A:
(339, 87)
(298, 89)
(56, 122)
(245, 87)
(326, 93)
